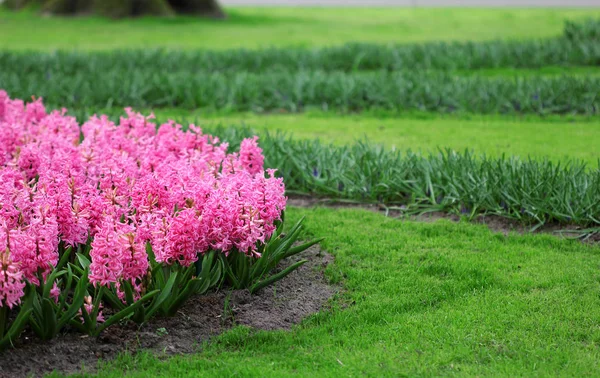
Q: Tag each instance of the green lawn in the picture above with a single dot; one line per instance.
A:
(548, 71)
(422, 299)
(493, 135)
(265, 27)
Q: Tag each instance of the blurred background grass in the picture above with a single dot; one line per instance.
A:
(267, 27)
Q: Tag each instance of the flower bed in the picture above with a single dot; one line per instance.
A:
(200, 320)
(104, 222)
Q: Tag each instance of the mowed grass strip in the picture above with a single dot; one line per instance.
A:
(553, 138)
(546, 71)
(272, 26)
(422, 300)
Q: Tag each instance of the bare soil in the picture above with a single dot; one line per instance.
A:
(302, 293)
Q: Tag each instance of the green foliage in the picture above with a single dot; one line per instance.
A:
(534, 192)
(92, 309)
(350, 57)
(254, 273)
(579, 32)
(296, 91)
(93, 325)
(350, 78)
(91, 320)
(10, 330)
(178, 283)
(50, 315)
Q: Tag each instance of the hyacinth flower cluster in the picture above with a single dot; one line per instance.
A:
(93, 215)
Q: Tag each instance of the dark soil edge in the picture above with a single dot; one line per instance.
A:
(280, 306)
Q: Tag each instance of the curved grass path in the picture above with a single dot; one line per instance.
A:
(556, 138)
(422, 300)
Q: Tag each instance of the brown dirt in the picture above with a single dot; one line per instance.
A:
(493, 222)
(280, 306)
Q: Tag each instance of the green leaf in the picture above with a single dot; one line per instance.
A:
(150, 253)
(300, 248)
(49, 323)
(190, 288)
(165, 293)
(207, 262)
(280, 224)
(20, 321)
(216, 273)
(261, 264)
(128, 292)
(203, 287)
(139, 315)
(125, 312)
(244, 271)
(113, 300)
(50, 281)
(88, 325)
(64, 258)
(63, 294)
(97, 300)
(15, 328)
(229, 273)
(78, 298)
(187, 274)
(37, 329)
(280, 253)
(276, 277)
(77, 269)
(83, 261)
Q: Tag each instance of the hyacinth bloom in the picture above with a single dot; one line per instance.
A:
(11, 282)
(251, 157)
(121, 187)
